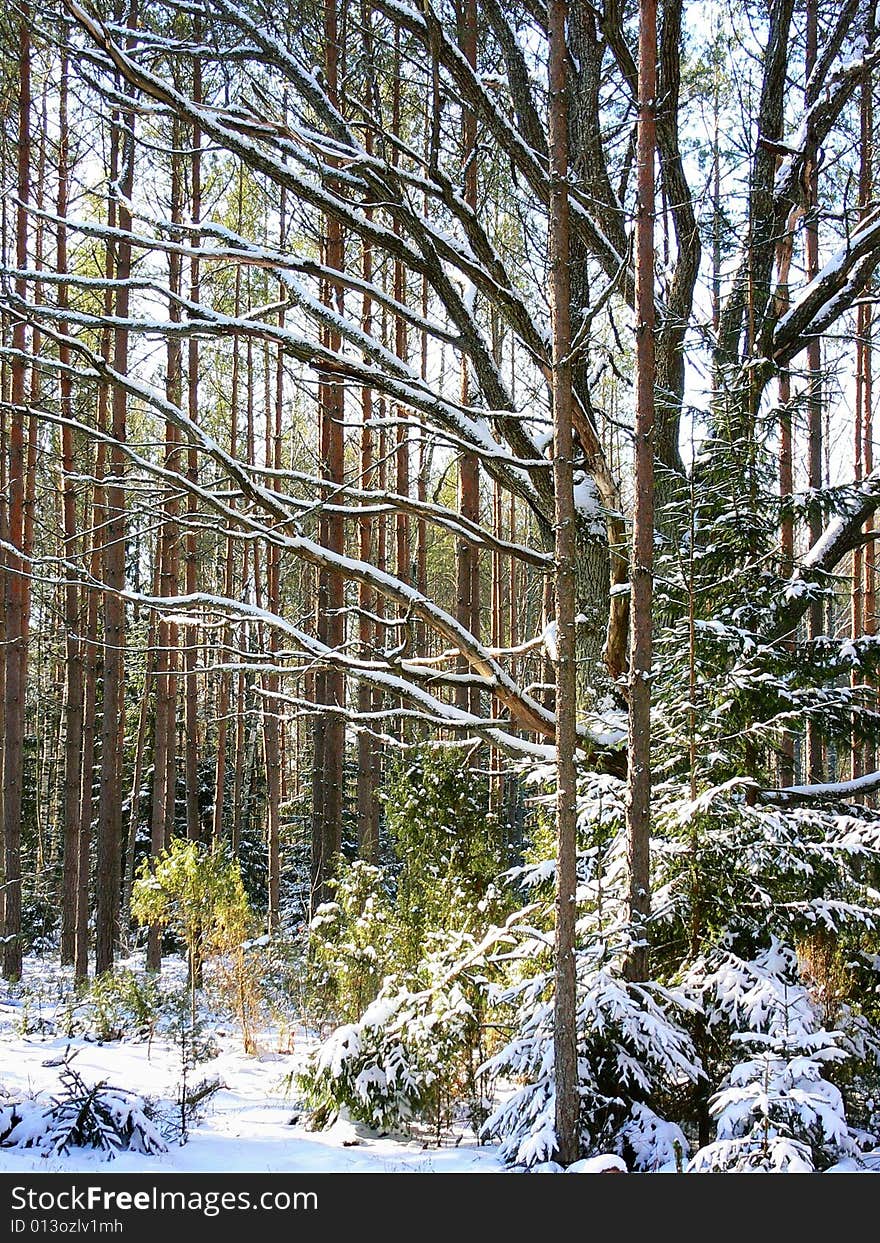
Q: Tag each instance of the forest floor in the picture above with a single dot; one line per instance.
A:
(252, 1124)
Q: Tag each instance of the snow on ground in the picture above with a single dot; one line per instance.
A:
(250, 1126)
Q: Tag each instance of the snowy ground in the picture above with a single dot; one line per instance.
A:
(250, 1126)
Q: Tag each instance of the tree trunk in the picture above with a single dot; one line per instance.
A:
(467, 556)
(367, 817)
(638, 800)
(329, 683)
(786, 475)
(225, 691)
(73, 733)
(240, 732)
(16, 594)
(190, 686)
(271, 712)
(865, 373)
(140, 750)
(109, 829)
(565, 554)
(165, 728)
(815, 624)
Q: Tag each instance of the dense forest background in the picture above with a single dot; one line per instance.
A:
(436, 531)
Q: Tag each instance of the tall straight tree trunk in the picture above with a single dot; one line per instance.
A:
(225, 690)
(328, 787)
(424, 465)
(90, 693)
(190, 689)
(271, 707)
(863, 394)
(367, 818)
(5, 398)
(865, 374)
(856, 595)
(467, 557)
(815, 624)
(381, 477)
(140, 748)
(565, 554)
(268, 739)
(638, 794)
(16, 596)
(367, 698)
(786, 473)
(497, 635)
(41, 708)
(100, 534)
(238, 765)
(73, 734)
(401, 349)
(165, 727)
(109, 844)
(240, 728)
(109, 828)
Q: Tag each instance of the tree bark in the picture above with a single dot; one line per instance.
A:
(467, 556)
(225, 691)
(271, 711)
(165, 728)
(73, 735)
(190, 685)
(109, 828)
(786, 473)
(367, 817)
(815, 617)
(16, 592)
(638, 795)
(329, 683)
(565, 554)
(866, 387)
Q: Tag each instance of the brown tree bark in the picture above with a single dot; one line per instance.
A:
(367, 810)
(815, 617)
(165, 717)
(367, 699)
(865, 376)
(565, 555)
(73, 719)
(5, 399)
(638, 795)
(90, 691)
(240, 747)
(99, 533)
(16, 592)
(190, 687)
(467, 557)
(109, 827)
(140, 752)
(401, 349)
(33, 646)
(271, 706)
(329, 737)
(786, 473)
(225, 689)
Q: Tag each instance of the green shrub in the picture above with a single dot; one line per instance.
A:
(449, 845)
(118, 1004)
(199, 894)
(354, 941)
(414, 1053)
(196, 892)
